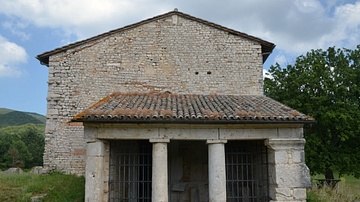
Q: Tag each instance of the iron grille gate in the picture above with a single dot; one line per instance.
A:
(130, 171)
(246, 171)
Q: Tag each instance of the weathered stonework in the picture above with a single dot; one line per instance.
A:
(289, 176)
(173, 54)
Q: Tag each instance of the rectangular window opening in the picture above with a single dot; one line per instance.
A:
(130, 171)
(246, 171)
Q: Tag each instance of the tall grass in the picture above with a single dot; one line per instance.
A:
(55, 187)
(347, 190)
(69, 188)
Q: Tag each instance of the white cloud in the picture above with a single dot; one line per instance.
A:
(280, 59)
(17, 29)
(11, 55)
(266, 74)
(294, 26)
(347, 25)
(82, 18)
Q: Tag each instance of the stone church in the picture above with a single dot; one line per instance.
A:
(172, 109)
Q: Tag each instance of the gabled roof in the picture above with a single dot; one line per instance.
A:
(267, 47)
(189, 108)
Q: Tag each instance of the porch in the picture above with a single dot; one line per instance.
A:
(178, 163)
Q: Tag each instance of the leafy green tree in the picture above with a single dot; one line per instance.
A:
(21, 146)
(18, 154)
(324, 84)
(33, 137)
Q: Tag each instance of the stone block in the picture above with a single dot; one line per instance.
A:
(290, 133)
(294, 175)
(300, 194)
(37, 170)
(13, 171)
(298, 156)
(52, 112)
(283, 194)
(95, 149)
(281, 157)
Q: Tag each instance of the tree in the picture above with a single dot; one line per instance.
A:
(21, 146)
(19, 154)
(33, 137)
(324, 84)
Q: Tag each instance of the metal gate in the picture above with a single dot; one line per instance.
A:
(246, 171)
(130, 171)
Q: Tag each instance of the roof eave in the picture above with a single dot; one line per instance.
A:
(189, 121)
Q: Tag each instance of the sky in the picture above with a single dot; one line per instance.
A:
(31, 27)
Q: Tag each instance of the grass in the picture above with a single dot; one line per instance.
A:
(347, 190)
(69, 188)
(55, 187)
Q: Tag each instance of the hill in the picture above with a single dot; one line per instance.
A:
(10, 117)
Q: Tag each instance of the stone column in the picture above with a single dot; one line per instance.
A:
(288, 175)
(217, 170)
(159, 170)
(94, 171)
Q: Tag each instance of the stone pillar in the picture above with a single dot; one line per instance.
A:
(217, 170)
(159, 170)
(94, 171)
(288, 175)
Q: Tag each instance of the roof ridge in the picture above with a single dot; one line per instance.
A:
(266, 46)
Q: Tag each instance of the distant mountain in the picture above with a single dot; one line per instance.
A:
(10, 117)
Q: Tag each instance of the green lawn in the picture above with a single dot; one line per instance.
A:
(55, 187)
(60, 187)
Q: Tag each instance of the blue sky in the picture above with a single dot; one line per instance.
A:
(31, 27)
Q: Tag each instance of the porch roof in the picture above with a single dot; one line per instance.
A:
(189, 108)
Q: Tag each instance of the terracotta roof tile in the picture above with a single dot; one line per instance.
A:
(186, 108)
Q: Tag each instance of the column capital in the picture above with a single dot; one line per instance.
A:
(217, 141)
(279, 143)
(160, 140)
(95, 148)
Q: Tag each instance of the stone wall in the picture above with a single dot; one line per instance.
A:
(170, 54)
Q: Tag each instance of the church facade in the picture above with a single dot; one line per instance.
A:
(172, 109)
